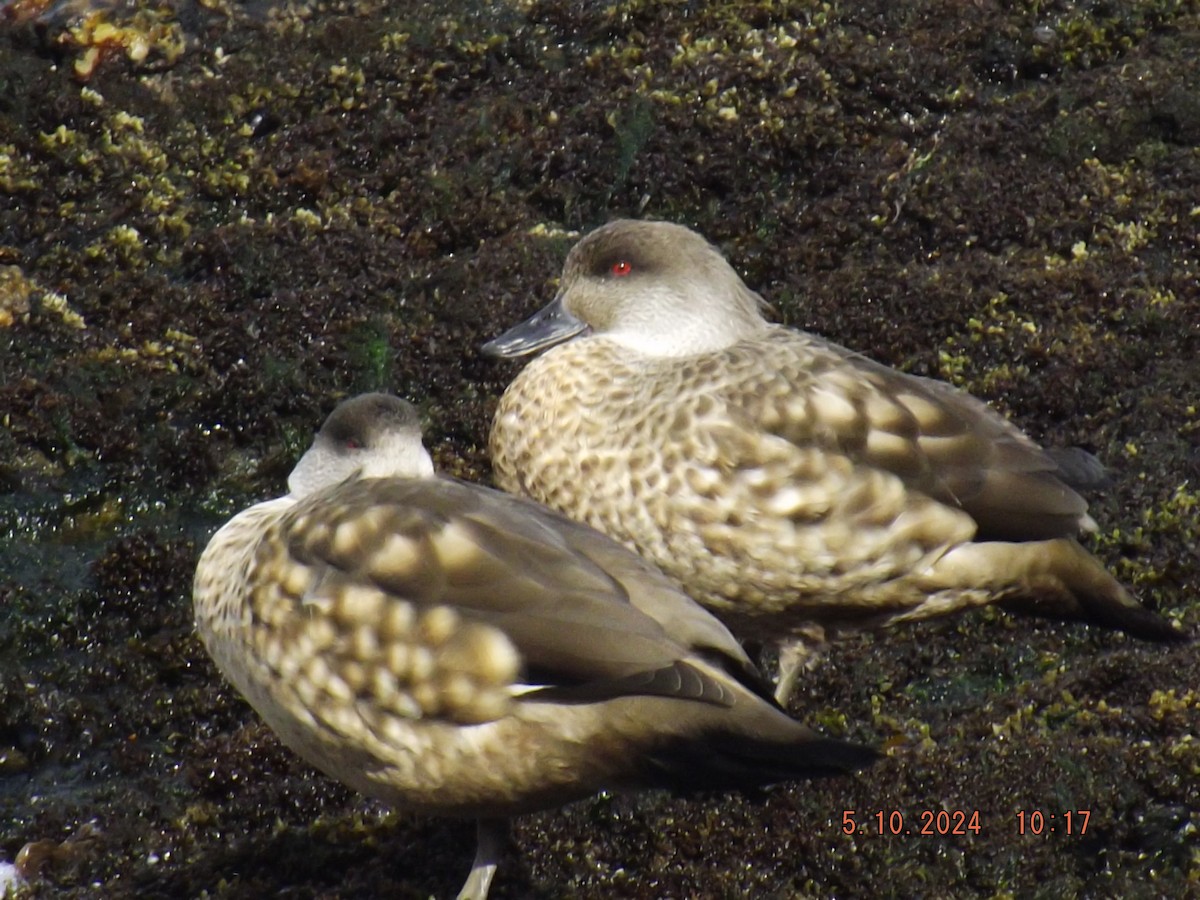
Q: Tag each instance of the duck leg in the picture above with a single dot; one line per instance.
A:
(799, 652)
(492, 834)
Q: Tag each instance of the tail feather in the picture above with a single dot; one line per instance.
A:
(740, 762)
(1056, 579)
(1095, 596)
(1078, 468)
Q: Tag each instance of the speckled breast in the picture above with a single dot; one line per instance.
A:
(712, 467)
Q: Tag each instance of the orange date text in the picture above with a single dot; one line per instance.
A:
(925, 822)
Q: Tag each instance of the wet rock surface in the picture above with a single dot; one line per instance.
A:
(228, 216)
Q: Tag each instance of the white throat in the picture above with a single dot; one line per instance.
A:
(396, 455)
(669, 323)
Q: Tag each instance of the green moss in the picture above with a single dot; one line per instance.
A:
(371, 356)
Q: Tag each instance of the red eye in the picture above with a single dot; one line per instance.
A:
(621, 268)
(353, 444)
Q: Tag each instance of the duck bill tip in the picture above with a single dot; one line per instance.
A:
(546, 328)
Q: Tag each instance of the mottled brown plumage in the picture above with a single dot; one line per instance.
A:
(787, 483)
(455, 651)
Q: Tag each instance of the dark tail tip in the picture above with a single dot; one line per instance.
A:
(829, 756)
(724, 765)
(1134, 620)
(1139, 622)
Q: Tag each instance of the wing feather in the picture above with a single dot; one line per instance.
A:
(559, 592)
(939, 441)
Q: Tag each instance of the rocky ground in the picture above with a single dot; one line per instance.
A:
(217, 219)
